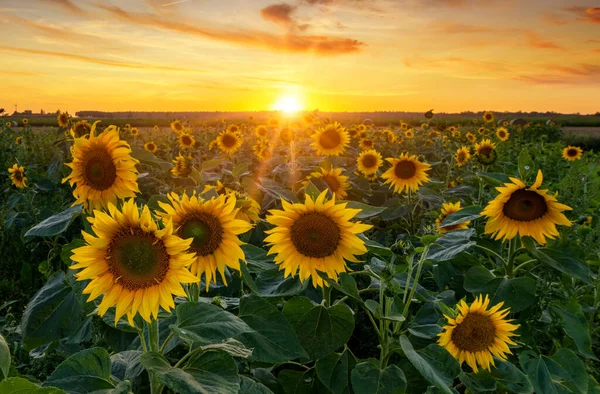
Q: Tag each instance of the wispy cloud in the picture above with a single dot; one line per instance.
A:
(582, 74)
(67, 5)
(586, 14)
(19, 73)
(536, 41)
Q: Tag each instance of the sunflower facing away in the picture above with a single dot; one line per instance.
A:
(447, 210)
(478, 334)
(17, 176)
(183, 166)
(186, 140)
(336, 182)
(136, 266)
(229, 142)
(63, 120)
(177, 126)
(502, 134)
(572, 153)
(524, 211)
(81, 129)
(213, 230)
(330, 140)
(369, 162)
(316, 235)
(407, 172)
(462, 156)
(488, 117)
(102, 169)
(150, 146)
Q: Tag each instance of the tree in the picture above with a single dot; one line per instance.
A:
(1, 111)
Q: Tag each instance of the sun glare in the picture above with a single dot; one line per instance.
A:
(288, 104)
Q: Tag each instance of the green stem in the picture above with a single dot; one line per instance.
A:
(416, 281)
(522, 265)
(143, 340)
(327, 295)
(153, 339)
(512, 246)
(408, 278)
(164, 345)
(490, 251)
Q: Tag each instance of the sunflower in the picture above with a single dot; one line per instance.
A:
(462, 156)
(127, 127)
(261, 132)
(183, 166)
(286, 135)
(471, 137)
(372, 177)
(213, 144)
(229, 142)
(134, 131)
(434, 133)
(17, 176)
(8, 124)
(481, 130)
(177, 126)
(407, 172)
(502, 134)
(25, 121)
(18, 140)
(488, 117)
(336, 182)
(403, 125)
(447, 210)
(235, 129)
(409, 134)
(213, 229)
(81, 129)
(150, 146)
(477, 333)
(369, 161)
(186, 140)
(273, 122)
(248, 208)
(524, 211)
(316, 235)
(455, 132)
(572, 153)
(486, 151)
(389, 136)
(505, 123)
(353, 131)
(102, 169)
(136, 266)
(330, 140)
(156, 128)
(63, 120)
(366, 144)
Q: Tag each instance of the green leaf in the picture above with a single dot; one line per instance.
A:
(22, 386)
(576, 326)
(250, 386)
(573, 370)
(83, 372)
(205, 323)
(538, 373)
(298, 382)
(311, 190)
(273, 339)
(526, 164)
(368, 378)
(271, 283)
(517, 294)
(126, 365)
(334, 371)
(67, 250)
(323, 330)
(246, 277)
(450, 245)
(426, 331)
(146, 157)
(56, 224)
(4, 359)
(240, 169)
(207, 373)
(366, 211)
(494, 179)
(347, 285)
(510, 376)
(295, 308)
(434, 363)
(564, 263)
(208, 165)
(464, 215)
(52, 314)
(478, 382)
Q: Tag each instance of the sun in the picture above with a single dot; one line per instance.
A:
(288, 104)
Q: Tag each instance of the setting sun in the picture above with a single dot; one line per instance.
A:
(288, 104)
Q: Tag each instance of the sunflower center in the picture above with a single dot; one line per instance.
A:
(475, 333)
(369, 161)
(229, 140)
(405, 169)
(461, 156)
(99, 170)
(525, 205)
(330, 139)
(18, 175)
(332, 182)
(315, 235)
(137, 259)
(485, 150)
(186, 140)
(572, 152)
(206, 230)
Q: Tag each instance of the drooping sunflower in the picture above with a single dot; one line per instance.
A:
(81, 129)
(524, 211)
(478, 334)
(447, 210)
(63, 120)
(486, 151)
(369, 161)
(186, 140)
(177, 126)
(261, 132)
(102, 169)
(471, 137)
(150, 146)
(502, 134)
(462, 156)
(213, 229)
(136, 266)
(229, 142)
(17, 176)
(366, 144)
(316, 235)
(336, 182)
(330, 140)
(183, 166)
(407, 172)
(572, 153)
(488, 117)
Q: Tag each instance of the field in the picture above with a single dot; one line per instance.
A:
(304, 254)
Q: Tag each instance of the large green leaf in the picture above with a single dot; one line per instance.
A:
(572, 368)
(210, 372)
(366, 211)
(83, 372)
(52, 314)
(525, 164)
(23, 386)
(146, 157)
(334, 371)
(250, 386)
(450, 245)
(434, 363)
(272, 283)
(512, 377)
(494, 178)
(126, 365)
(4, 359)
(465, 214)
(367, 377)
(517, 294)
(205, 323)
(542, 375)
(274, 339)
(478, 382)
(56, 224)
(565, 263)
(576, 326)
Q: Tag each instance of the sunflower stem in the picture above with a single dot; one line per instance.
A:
(416, 281)
(153, 339)
(512, 247)
(327, 295)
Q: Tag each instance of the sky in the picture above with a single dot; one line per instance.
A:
(332, 55)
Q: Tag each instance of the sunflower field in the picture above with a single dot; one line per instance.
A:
(304, 256)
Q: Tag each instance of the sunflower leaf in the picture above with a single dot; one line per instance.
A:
(367, 377)
(56, 224)
(21, 386)
(463, 215)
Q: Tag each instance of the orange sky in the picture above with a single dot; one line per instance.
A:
(334, 55)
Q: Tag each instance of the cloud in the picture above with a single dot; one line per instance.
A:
(583, 74)
(289, 42)
(536, 41)
(67, 5)
(586, 14)
(280, 14)
(87, 59)
(460, 28)
(19, 73)
(551, 18)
